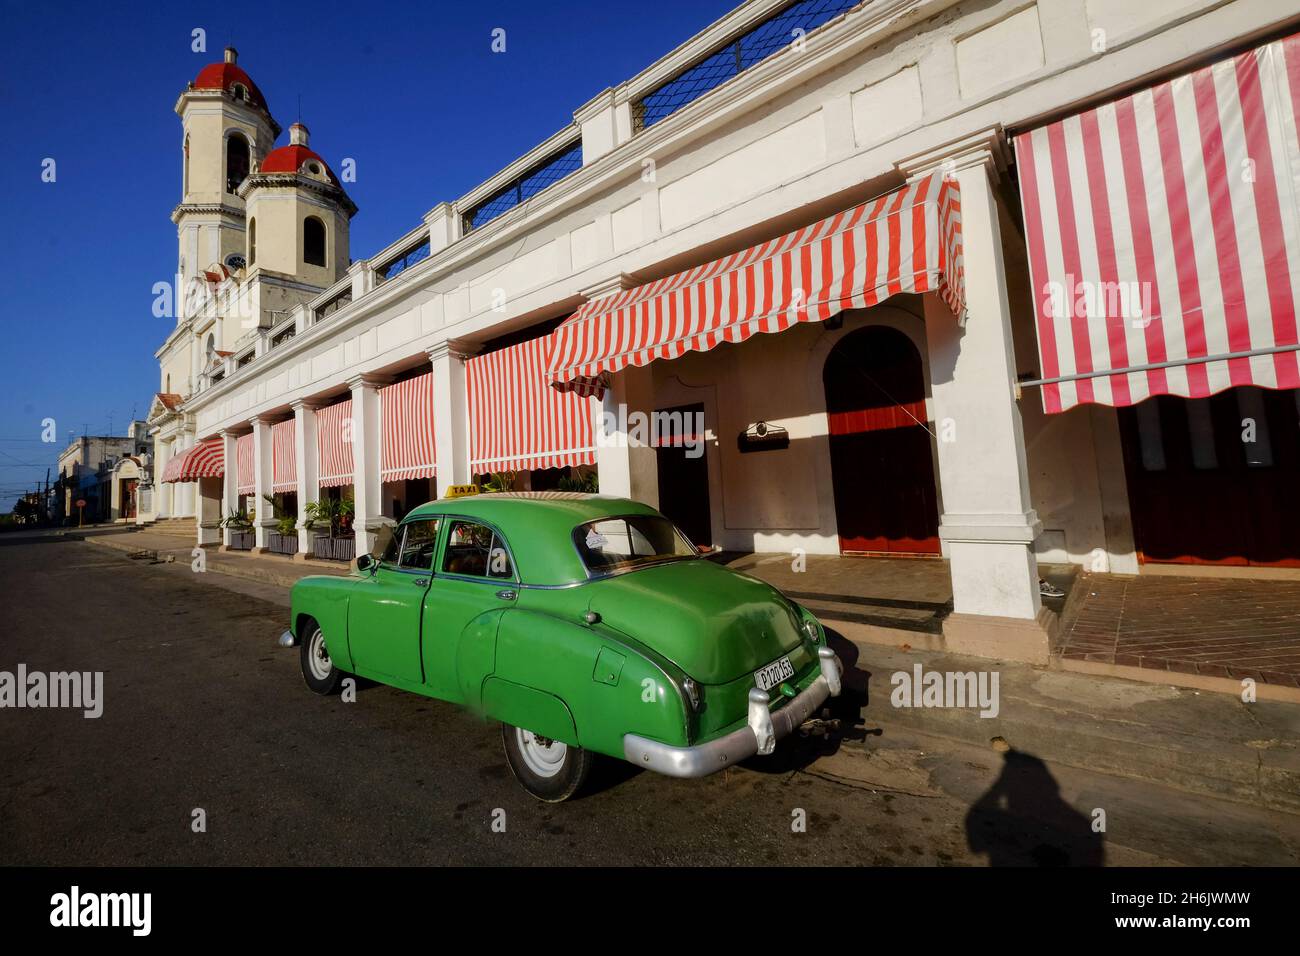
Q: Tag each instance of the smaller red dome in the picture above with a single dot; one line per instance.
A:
(291, 158)
(226, 76)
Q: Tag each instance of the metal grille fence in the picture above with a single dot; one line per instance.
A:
(753, 46)
(526, 186)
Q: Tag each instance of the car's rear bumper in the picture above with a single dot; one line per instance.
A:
(759, 735)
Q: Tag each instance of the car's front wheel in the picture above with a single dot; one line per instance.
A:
(548, 769)
(317, 669)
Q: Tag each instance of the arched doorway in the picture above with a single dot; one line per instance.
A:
(881, 468)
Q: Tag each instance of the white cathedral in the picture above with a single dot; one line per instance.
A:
(260, 230)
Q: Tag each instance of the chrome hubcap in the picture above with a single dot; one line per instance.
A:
(544, 757)
(318, 659)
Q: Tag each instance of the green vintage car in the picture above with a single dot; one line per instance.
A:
(585, 624)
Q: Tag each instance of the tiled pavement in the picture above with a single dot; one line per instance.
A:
(1207, 626)
(903, 594)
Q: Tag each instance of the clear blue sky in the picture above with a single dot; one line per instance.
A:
(412, 91)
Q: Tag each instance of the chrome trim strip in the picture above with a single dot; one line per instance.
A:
(704, 759)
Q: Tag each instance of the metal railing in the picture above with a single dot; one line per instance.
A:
(524, 186)
(780, 30)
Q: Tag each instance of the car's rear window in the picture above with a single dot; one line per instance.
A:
(615, 544)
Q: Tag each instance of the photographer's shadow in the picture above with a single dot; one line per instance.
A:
(1022, 820)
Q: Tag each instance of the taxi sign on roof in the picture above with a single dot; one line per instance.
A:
(461, 491)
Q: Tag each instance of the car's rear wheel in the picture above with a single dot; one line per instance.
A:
(548, 769)
(317, 669)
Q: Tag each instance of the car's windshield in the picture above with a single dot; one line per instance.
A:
(615, 544)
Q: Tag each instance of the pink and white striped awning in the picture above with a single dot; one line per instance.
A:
(334, 444)
(1164, 236)
(516, 421)
(245, 475)
(407, 449)
(207, 459)
(905, 241)
(284, 457)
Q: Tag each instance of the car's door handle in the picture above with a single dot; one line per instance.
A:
(421, 582)
(507, 594)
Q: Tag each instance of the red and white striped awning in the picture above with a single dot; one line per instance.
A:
(207, 459)
(517, 422)
(284, 456)
(1164, 236)
(407, 449)
(905, 241)
(245, 476)
(334, 444)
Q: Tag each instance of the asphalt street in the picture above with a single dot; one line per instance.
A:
(202, 711)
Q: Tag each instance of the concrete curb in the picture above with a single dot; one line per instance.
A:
(1199, 742)
(262, 570)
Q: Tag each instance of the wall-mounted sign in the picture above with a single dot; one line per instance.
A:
(763, 436)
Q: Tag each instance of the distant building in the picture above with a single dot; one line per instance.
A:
(107, 472)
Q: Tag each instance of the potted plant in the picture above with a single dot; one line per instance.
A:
(240, 525)
(499, 481)
(284, 539)
(334, 517)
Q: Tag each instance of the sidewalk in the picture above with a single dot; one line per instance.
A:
(1200, 742)
(275, 569)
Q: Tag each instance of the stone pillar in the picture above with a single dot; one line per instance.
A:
(307, 451)
(189, 491)
(162, 504)
(989, 524)
(625, 460)
(183, 493)
(367, 490)
(262, 478)
(230, 483)
(450, 416)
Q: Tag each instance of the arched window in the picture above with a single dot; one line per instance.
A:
(237, 157)
(252, 241)
(313, 241)
(185, 177)
(210, 350)
(168, 387)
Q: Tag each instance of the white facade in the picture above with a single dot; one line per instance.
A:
(887, 92)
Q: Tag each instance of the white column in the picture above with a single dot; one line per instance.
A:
(626, 464)
(162, 493)
(262, 478)
(190, 489)
(989, 524)
(450, 416)
(307, 452)
(230, 483)
(367, 491)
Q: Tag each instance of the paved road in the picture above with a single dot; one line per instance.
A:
(203, 710)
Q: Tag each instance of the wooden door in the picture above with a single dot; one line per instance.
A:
(881, 465)
(1213, 480)
(684, 474)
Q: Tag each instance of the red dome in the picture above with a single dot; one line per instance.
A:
(290, 159)
(224, 76)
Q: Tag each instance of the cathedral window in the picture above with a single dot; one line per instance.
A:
(313, 241)
(237, 159)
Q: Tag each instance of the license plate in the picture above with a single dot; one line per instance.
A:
(768, 677)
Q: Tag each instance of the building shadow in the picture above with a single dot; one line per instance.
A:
(1022, 821)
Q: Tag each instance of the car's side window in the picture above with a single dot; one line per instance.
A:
(477, 551)
(418, 544)
(394, 548)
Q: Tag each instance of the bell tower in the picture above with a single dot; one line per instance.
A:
(298, 216)
(227, 128)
